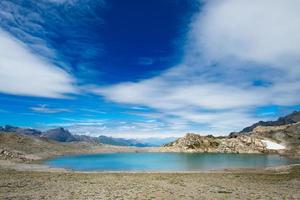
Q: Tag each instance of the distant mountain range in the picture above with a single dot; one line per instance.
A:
(63, 135)
(145, 142)
(23, 131)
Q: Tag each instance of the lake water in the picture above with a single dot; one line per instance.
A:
(166, 161)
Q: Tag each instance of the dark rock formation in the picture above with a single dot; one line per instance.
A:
(59, 134)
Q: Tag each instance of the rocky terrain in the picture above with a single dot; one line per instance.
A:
(22, 148)
(196, 143)
(279, 185)
(280, 136)
(286, 135)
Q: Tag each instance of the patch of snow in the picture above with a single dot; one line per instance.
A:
(273, 145)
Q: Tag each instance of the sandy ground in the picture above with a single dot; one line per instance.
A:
(279, 183)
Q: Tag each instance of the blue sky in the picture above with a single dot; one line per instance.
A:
(148, 68)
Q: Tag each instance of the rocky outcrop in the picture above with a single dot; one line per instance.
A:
(6, 154)
(287, 135)
(242, 144)
(196, 143)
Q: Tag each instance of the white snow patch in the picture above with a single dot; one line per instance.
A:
(273, 145)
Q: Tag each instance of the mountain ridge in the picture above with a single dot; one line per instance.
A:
(288, 119)
(63, 135)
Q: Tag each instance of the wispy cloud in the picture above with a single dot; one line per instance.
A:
(94, 111)
(46, 109)
(33, 61)
(241, 55)
(24, 73)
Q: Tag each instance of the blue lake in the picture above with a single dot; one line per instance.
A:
(166, 161)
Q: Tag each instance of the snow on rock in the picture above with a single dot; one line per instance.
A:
(273, 145)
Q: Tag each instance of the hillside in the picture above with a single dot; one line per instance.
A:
(25, 148)
(287, 135)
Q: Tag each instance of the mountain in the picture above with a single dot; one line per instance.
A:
(59, 134)
(143, 142)
(121, 141)
(63, 135)
(155, 141)
(22, 131)
(85, 138)
(289, 119)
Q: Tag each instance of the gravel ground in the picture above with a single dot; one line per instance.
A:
(72, 185)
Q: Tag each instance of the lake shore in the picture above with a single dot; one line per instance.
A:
(279, 183)
(38, 181)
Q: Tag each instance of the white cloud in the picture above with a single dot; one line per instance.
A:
(232, 45)
(161, 93)
(24, 73)
(46, 109)
(261, 31)
(30, 62)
